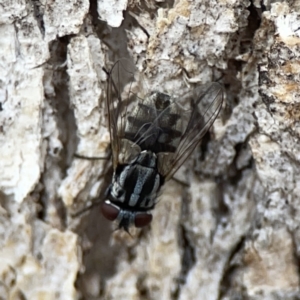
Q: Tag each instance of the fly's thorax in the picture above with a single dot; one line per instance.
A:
(133, 191)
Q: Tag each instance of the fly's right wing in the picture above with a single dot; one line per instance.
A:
(129, 111)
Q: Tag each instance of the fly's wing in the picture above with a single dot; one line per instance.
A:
(125, 98)
(206, 104)
(121, 74)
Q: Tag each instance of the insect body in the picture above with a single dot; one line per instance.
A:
(151, 137)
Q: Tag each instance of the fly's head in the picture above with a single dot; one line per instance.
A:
(126, 217)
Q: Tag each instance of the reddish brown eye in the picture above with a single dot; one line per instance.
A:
(142, 219)
(109, 211)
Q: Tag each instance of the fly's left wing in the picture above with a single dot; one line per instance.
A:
(206, 104)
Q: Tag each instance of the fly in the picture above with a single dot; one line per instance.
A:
(151, 137)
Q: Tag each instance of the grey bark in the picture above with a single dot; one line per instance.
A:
(227, 225)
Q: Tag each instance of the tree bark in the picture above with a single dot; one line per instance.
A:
(227, 225)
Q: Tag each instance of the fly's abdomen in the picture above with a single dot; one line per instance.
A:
(154, 125)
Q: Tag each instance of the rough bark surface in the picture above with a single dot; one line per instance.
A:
(227, 226)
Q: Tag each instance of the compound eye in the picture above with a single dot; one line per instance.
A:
(109, 211)
(142, 219)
